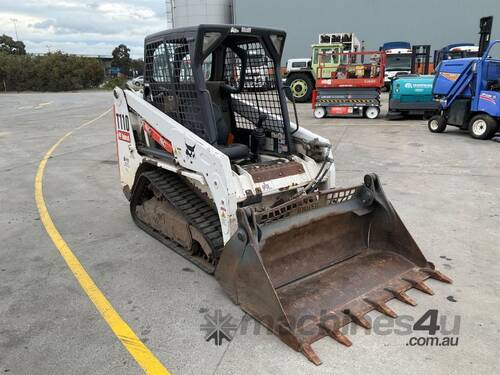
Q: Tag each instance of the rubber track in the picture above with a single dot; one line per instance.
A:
(198, 212)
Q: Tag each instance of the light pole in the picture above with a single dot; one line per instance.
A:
(14, 20)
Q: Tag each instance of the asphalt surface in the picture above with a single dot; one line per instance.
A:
(446, 188)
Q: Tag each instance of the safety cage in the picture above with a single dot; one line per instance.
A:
(220, 82)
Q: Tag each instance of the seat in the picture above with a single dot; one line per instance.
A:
(234, 151)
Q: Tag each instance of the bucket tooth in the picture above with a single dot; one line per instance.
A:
(382, 308)
(420, 285)
(359, 319)
(403, 297)
(337, 335)
(311, 354)
(434, 274)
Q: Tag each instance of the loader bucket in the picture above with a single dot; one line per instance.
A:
(309, 267)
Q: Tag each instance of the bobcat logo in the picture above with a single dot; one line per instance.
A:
(190, 150)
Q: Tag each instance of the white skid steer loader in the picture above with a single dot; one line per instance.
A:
(214, 169)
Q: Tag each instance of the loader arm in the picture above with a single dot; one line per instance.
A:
(194, 155)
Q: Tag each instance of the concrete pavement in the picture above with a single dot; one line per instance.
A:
(446, 187)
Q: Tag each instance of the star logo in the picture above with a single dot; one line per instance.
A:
(218, 327)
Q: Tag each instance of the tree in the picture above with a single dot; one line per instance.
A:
(138, 67)
(11, 46)
(51, 72)
(121, 58)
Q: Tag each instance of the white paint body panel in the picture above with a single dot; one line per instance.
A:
(208, 169)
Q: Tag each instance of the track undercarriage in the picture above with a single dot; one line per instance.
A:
(164, 206)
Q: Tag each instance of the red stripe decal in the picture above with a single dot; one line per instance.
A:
(162, 141)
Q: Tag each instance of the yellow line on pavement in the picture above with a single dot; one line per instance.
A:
(142, 355)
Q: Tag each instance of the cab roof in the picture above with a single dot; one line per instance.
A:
(198, 31)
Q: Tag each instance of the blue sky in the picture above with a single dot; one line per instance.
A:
(83, 27)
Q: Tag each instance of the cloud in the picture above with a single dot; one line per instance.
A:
(79, 26)
(87, 26)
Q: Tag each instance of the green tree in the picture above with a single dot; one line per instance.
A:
(51, 72)
(138, 67)
(121, 58)
(11, 46)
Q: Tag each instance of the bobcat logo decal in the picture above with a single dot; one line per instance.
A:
(190, 150)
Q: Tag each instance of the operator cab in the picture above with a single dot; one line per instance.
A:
(326, 59)
(222, 83)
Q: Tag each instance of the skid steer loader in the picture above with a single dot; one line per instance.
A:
(214, 169)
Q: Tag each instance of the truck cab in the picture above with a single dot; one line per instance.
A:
(301, 74)
(325, 59)
(455, 51)
(398, 60)
(296, 65)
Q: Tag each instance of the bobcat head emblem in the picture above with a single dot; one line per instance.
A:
(190, 150)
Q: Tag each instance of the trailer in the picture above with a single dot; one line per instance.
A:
(348, 84)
